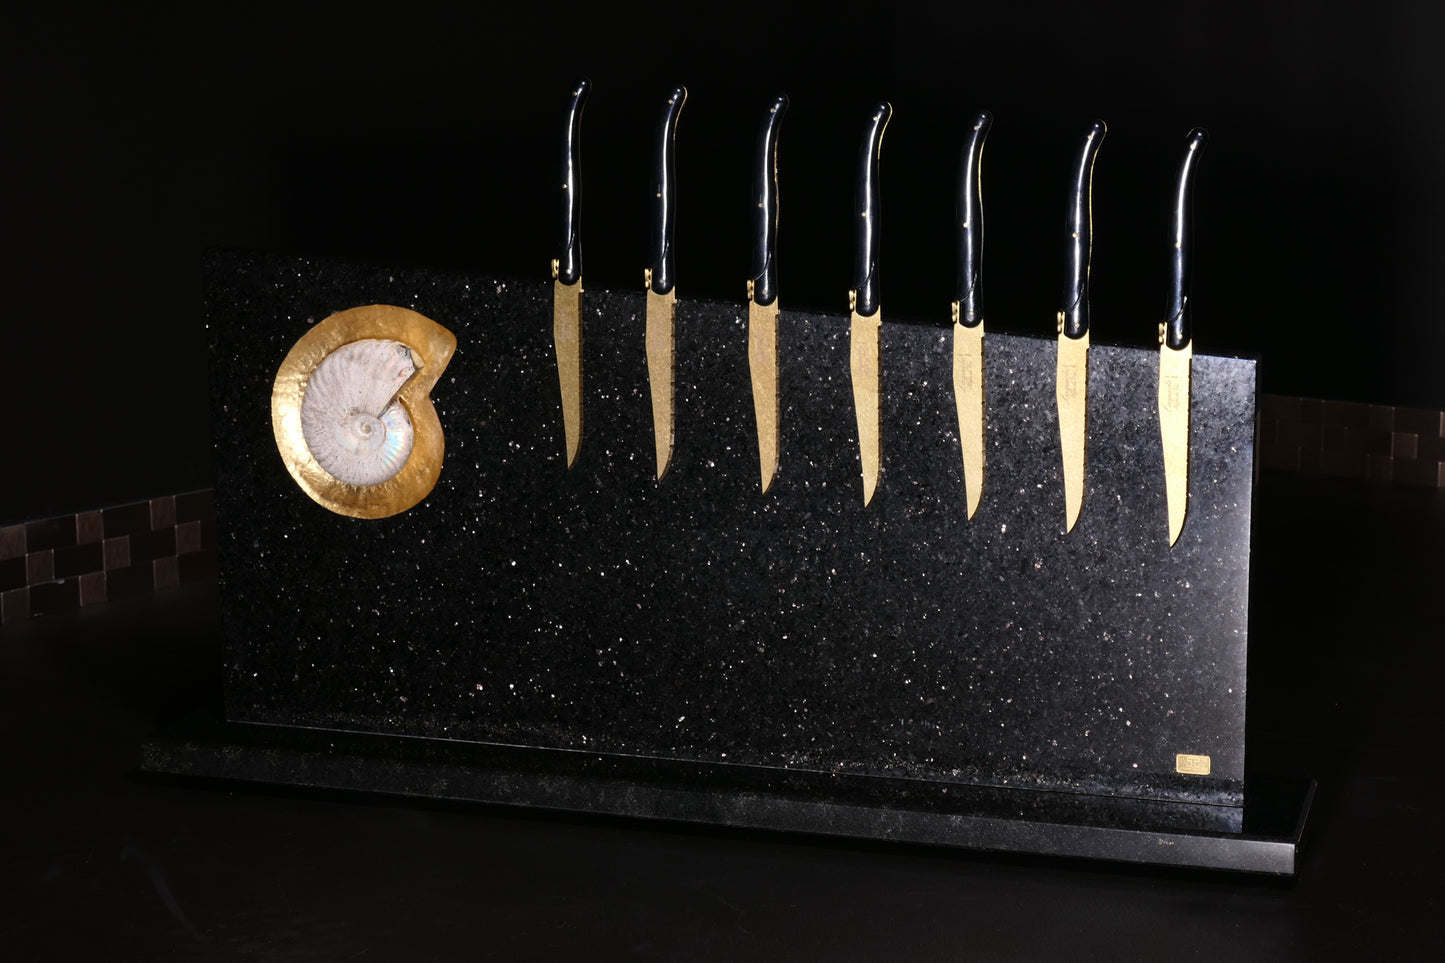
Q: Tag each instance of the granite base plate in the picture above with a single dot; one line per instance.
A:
(894, 810)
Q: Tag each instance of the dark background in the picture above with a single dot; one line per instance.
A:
(135, 139)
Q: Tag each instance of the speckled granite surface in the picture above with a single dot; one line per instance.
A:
(699, 620)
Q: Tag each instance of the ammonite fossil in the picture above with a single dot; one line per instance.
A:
(351, 412)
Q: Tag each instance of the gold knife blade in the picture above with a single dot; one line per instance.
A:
(1072, 392)
(1174, 370)
(968, 397)
(567, 335)
(763, 367)
(661, 322)
(864, 337)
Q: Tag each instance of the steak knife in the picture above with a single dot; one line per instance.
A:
(659, 276)
(1072, 373)
(867, 319)
(567, 278)
(763, 292)
(968, 384)
(1176, 341)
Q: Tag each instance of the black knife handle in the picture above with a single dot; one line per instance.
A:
(1080, 227)
(868, 206)
(765, 212)
(569, 261)
(970, 224)
(664, 192)
(1178, 329)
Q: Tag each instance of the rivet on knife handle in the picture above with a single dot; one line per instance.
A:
(1072, 375)
(1176, 342)
(867, 319)
(661, 293)
(763, 291)
(567, 278)
(968, 367)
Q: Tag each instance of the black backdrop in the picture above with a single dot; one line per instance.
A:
(409, 135)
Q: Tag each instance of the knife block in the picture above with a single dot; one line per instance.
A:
(593, 640)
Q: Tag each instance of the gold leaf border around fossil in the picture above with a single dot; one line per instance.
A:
(432, 347)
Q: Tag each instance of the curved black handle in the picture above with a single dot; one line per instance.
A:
(1076, 285)
(868, 204)
(1178, 329)
(664, 192)
(569, 260)
(969, 294)
(765, 213)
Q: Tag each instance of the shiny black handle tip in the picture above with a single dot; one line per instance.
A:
(868, 212)
(569, 248)
(969, 291)
(1178, 329)
(664, 192)
(765, 204)
(1080, 240)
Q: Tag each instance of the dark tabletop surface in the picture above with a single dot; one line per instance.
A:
(101, 863)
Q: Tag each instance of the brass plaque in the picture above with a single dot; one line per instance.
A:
(1191, 765)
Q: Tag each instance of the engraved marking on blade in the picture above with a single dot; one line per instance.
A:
(965, 379)
(868, 366)
(1191, 765)
(565, 325)
(1169, 393)
(1069, 385)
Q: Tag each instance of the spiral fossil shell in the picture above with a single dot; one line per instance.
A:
(351, 410)
(349, 415)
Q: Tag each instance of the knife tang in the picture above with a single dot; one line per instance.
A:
(765, 214)
(969, 294)
(1074, 317)
(1177, 330)
(664, 199)
(868, 203)
(569, 260)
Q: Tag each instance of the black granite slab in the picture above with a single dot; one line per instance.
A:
(698, 621)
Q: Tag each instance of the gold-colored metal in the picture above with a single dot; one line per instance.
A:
(864, 338)
(432, 347)
(763, 366)
(968, 397)
(661, 317)
(1174, 368)
(567, 335)
(1191, 765)
(1072, 390)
